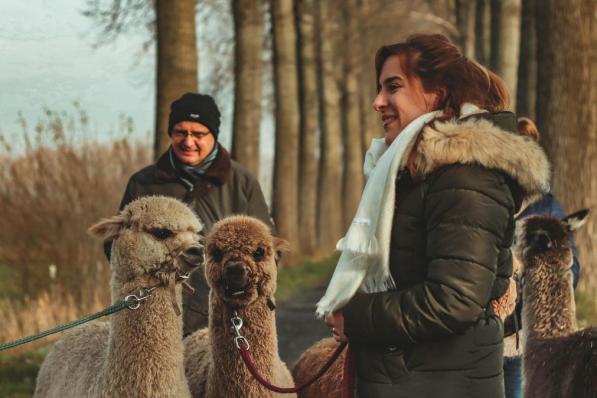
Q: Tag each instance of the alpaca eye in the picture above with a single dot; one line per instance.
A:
(216, 254)
(259, 253)
(162, 233)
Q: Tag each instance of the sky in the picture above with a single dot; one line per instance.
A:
(48, 60)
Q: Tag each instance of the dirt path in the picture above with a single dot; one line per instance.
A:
(297, 326)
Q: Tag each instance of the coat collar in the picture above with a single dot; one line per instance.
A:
(217, 173)
(479, 140)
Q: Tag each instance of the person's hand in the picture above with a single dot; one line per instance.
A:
(335, 321)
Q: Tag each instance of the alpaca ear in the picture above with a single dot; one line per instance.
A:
(108, 228)
(576, 220)
(281, 245)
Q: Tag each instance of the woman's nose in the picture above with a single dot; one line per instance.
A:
(379, 102)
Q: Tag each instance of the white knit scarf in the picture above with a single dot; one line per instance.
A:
(364, 262)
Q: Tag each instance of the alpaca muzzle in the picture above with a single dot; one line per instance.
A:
(191, 257)
(236, 278)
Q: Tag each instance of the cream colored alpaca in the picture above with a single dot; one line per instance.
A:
(139, 353)
(241, 272)
(559, 360)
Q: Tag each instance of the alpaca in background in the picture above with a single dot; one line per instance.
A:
(559, 360)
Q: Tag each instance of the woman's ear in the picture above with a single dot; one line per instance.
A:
(108, 228)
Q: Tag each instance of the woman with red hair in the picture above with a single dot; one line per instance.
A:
(429, 247)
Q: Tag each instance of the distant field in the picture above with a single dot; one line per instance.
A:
(9, 283)
(18, 373)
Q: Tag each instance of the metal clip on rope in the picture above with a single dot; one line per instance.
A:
(133, 301)
(237, 324)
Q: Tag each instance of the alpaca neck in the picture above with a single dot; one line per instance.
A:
(145, 348)
(228, 368)
(549, 310)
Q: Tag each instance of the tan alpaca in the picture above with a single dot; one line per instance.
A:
(139, 353)
(241, 272)
(559, 360)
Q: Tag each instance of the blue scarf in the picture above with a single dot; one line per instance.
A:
(189, 174)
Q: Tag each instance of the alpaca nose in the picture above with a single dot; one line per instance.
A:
(192, 255)
(236, 275)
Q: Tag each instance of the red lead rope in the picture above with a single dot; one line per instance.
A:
(288, 390)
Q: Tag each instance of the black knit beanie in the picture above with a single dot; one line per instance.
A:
(200, 108)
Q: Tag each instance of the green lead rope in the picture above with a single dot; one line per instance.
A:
(109, 310)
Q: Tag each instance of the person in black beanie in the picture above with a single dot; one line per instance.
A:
(199, 171)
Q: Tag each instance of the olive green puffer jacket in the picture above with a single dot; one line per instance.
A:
(435, 335)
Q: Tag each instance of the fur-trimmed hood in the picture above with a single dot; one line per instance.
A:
(482, 142)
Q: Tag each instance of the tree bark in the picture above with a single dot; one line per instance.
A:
(307, 22)
(527, 67)
(330, 181)
(482, 32)
(248, 31)
(177, 62)
(352, 184)
(369, 123)
(505, 42)
(566, 112)
(285, 195)
(465, 20)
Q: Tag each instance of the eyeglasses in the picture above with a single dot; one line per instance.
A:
(183, 134)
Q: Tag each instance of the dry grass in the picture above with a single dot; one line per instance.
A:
(48, 310)
(55, 183)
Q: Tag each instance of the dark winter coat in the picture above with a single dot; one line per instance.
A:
(435, 335)
(226, 188)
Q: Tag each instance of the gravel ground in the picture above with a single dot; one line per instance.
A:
(297, 326)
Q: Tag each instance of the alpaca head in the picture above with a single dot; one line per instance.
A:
(543, 243)
(153, 237)
(241, 260)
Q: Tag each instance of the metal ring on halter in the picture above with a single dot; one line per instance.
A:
(144, 294)
(132, 302)
(239, 339)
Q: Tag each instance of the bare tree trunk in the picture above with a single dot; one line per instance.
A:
(330, 181)
(505, 42)
(285, 197)
(527, 67)
(352, 185)
(177, 62)
(249, 27)
(482, 32)
(465, 20)
(566, 112)
(307, 22)
(369, 123)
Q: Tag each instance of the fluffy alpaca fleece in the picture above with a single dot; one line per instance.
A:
(559, 361)
(329, 385)
(138, 353)
(213, 364)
